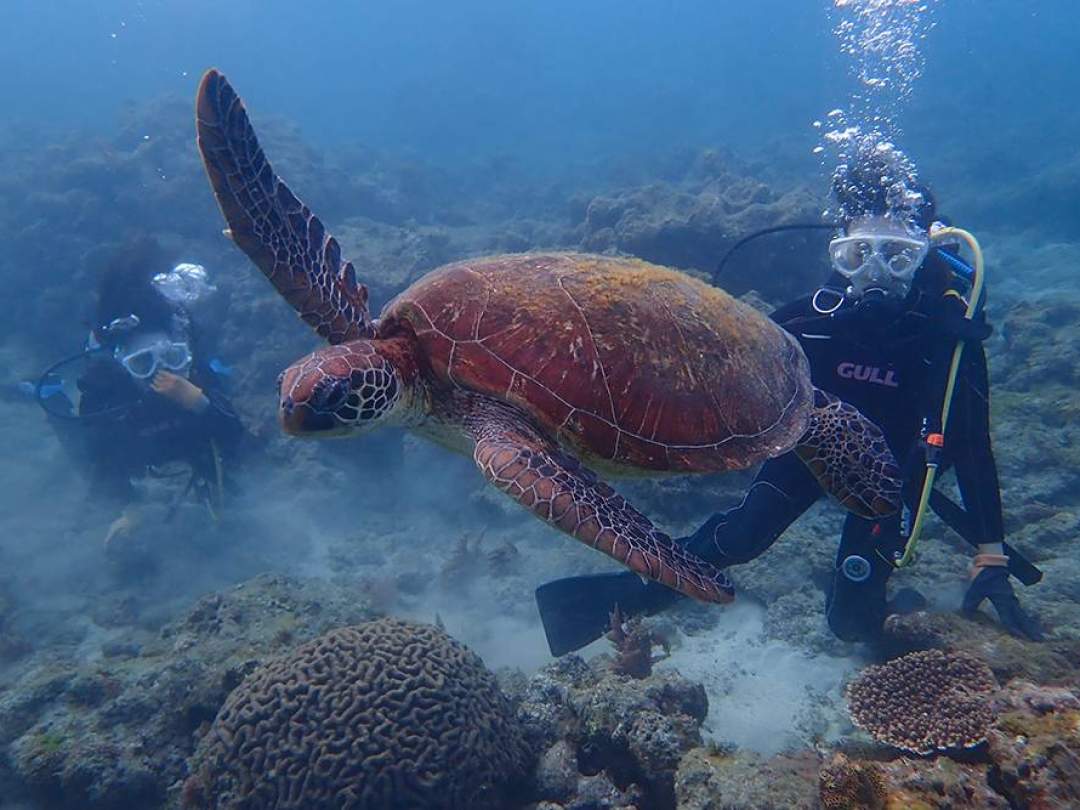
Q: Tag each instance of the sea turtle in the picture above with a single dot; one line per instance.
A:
(535, 363)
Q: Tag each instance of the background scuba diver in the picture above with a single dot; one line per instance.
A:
(145, 395)
(880, 335)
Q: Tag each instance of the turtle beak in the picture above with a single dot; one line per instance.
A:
(300, 419)
(291, 417)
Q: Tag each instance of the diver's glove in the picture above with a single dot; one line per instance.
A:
(180, 390)
(990, 580)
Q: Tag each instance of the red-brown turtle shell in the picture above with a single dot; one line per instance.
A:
(630, 364)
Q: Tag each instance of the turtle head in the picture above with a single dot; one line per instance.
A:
(339, 390)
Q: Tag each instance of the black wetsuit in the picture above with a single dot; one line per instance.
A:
(126, 431)
(891, 363)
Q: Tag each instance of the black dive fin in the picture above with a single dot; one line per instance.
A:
(577, 610)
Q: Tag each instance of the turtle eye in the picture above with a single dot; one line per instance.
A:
(331, 393)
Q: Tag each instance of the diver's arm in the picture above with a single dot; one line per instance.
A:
(793, 311)
(970, 448)
(220, 418)
(213, 410)
(976, 475)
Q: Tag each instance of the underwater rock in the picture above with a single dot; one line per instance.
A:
(634, 731)
(712, 780)
(638, 730)
(937, 784)
(692, 224)
(559, 783)
(12, 643)
(1007, 656)
(393, 714)
(556, 776)
(1035, 746)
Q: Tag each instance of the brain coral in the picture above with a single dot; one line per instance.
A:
(387, 714)
(924, 702)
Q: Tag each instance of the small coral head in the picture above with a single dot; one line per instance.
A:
(338, 391)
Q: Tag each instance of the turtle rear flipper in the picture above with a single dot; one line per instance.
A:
(849, 457)
(266, 220)
(557, 488)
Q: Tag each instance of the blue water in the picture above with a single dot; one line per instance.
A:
(425, 131)
(549, 81)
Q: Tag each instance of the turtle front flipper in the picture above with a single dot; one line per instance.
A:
(849, 457)
(266, 220)
(558, 489)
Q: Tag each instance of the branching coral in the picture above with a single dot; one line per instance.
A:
(464, 562)
(924, 702)
(634, 643)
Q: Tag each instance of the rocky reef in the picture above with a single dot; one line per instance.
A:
(692, 222)
(191, 719)
(608, 740)
(115, 730)
(12, 643)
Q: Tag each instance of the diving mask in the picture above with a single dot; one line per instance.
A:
(143, 359)
(878, 261)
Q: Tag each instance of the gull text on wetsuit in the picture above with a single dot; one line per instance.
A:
(861, 373)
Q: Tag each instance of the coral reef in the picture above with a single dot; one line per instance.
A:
(390, 713)
(690, 222)
(633, 732)
(1032, 760)
(12, 643)
(115, 731)
(1035, 745)
(1007, 656)
(925, 701)
(464, 563)
(938, 784)
(709, 780)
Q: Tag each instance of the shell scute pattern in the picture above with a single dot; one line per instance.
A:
(630, 363)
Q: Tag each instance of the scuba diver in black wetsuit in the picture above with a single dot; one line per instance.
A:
(880, 335)
(142, 395)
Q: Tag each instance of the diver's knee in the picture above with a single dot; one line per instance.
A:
(854, 623)
(854, 631)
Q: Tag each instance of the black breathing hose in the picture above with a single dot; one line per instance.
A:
(803, 226)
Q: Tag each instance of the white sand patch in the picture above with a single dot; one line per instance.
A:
(764, 695)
